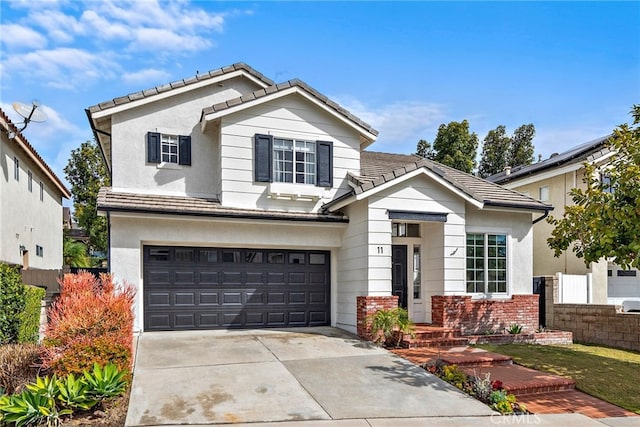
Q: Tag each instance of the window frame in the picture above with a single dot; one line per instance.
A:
(265, 161)
(155, 147)
(16, 168)
(41, 191)
(540, 193)
(30, 181)
(486, 281)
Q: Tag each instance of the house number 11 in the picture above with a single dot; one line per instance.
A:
(380, 250)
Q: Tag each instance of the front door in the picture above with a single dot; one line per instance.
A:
(399, 273)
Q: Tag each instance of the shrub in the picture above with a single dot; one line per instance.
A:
(388, 325)
(17, 363)
(91, 321)
(29, 330)
(12, 300)
(514, 329)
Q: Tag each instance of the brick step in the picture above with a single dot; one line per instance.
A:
(429, 335)
(434, 342)
(472, 358)
(523, 381)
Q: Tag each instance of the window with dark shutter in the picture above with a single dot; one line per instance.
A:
(184, 150)
(324, 163)
(263, 161)
(153, 147)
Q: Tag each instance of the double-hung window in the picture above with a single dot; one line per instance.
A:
(167, 148)
(486, 263)
(295, 161)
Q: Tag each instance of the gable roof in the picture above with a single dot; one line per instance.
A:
(589, 151)
(200, 77)
(280, 89)
(380, 170)
(21, 141)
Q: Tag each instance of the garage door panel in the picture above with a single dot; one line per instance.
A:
(158, 299)
(208, 288)
(185, 298)
(254, 298)
(208, 298)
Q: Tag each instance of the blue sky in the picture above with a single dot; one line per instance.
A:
(572, 69)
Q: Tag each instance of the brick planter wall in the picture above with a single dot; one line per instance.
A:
(544, 338)
(477, 316)
(366, 307)
(599, 324)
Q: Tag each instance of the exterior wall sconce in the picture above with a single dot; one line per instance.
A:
(23, 249)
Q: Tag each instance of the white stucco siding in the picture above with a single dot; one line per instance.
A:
(353, 266)
(519, 229)
(129, 233)
(288, 117)
(25, 220)
(421, 194)
(179, 115)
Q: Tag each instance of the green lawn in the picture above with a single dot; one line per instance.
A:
(609, 374)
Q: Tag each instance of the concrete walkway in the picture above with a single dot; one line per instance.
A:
(323, 376)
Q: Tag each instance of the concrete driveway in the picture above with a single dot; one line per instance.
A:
(219, 377)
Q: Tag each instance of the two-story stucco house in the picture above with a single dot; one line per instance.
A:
(30, 204)
(237, 202)
(551, 181)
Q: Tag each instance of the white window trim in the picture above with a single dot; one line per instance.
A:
(485, 231)
(295, 141)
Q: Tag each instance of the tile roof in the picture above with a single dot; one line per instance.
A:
(178, 84)
(256, 95)
(380, 168)
(589, 151)
(111, 201)
(21, 140)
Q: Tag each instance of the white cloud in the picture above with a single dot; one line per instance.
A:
(401, 124)
(150, 76)
(64, 68)
(15, 36)
(61, 27)
(164, 41)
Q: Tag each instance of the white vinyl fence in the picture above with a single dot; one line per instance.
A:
(575, 289)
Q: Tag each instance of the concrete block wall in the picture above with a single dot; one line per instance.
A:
(367, 307)
(599, 324)
(477, 316)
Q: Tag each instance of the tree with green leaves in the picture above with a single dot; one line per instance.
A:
(75, 254)
(604, 221)
(87, 172)
(495, 148)
(521, 147)
(454, 146)
(424, 149)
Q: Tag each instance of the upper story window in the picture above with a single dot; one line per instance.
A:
(16, 168)
(30, 181)
(39, 251)
(486, 263)
(41, 191)
(544, 193)
(293, 160)
(605, 179)
(166, 148)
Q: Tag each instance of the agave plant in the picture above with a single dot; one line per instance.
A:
(105, 382)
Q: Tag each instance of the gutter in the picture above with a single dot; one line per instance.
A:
(544, 215)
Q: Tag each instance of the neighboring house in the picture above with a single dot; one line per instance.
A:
(237, 202)
(30, 204)
(551, 181)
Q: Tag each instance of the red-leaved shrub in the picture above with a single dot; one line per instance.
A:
(91, 321)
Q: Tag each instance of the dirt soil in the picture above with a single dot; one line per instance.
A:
(112, 413)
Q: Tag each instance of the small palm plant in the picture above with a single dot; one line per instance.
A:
(389, 325)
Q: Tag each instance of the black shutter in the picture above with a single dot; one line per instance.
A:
(153, 147)
(324, 163)
(184, 150)
(263, 160)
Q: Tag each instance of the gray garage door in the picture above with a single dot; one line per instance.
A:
(210, 288)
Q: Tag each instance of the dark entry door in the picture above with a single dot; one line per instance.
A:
(399, 273)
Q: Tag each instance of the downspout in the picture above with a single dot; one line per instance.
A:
(544, 215)
(109, 241)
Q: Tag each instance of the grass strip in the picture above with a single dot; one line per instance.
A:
(609, 374)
